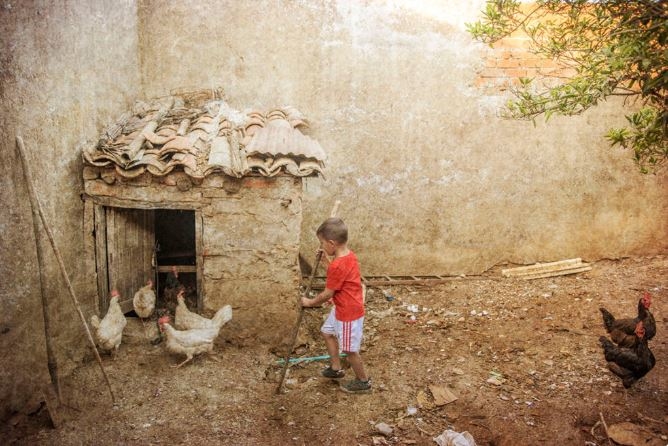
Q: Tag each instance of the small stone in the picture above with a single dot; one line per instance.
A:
(384, 428)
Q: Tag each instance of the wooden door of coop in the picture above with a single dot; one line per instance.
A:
(130, 240)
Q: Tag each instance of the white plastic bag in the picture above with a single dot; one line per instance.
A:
(453, 438)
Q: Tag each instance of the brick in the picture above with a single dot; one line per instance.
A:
(492, 72)
(509, 63)
(511, 72)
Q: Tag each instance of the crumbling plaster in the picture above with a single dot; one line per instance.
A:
(431, 180)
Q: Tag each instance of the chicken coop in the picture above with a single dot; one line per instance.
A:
(186, 183)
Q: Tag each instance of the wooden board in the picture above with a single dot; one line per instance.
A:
(541, 267)
(130, 240)
(101, 258)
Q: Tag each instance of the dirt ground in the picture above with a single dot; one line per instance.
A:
(521, 357)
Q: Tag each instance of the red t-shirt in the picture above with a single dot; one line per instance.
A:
(344, 278)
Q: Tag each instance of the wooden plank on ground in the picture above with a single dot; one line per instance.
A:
(563, 272)
(541, 267)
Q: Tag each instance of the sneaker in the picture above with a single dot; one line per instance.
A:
(356, 386)
(333, 374)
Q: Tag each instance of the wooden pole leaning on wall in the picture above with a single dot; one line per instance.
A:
(52, 364)
(295, 331)
(35, 204)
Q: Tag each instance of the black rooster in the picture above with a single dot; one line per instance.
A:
(629, 363)
(622, 331)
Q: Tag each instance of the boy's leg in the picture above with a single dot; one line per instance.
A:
(350, 344)
(362, 383)
(329, 334)
(333, 349)
(355, 361)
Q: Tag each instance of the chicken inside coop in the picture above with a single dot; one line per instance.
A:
(176, 257)
(169, 290)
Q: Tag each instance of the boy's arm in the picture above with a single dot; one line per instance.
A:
(319, 299)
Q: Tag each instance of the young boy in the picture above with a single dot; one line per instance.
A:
(343, 327)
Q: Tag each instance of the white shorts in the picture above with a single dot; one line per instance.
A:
(349, 334)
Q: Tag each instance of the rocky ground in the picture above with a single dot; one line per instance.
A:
(510, 361)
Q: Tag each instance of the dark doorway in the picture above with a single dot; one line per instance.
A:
(175, 249)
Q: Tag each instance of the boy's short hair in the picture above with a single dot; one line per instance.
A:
(333, 229)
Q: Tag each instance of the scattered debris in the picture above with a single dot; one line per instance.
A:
(381, 314)
(495, 378)
(556, 379)
(387, 295)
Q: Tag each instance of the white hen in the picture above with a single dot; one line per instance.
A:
(185, 319)
(109, 331)
(143, 301)
(187, 342)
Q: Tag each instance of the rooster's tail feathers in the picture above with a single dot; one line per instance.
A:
(608, 319)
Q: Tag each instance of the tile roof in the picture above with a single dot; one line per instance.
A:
(200, 135)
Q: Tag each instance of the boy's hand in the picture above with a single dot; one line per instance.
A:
(306, 302)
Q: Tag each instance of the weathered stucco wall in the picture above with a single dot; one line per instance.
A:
(251, 248)
(432, 181)
(66, 70)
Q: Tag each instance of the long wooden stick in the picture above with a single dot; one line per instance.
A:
(51, 362)
(34, 202)
(295, 331)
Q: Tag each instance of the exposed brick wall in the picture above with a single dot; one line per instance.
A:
(509, 60)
